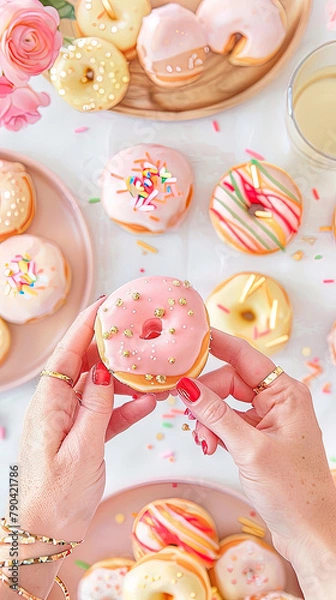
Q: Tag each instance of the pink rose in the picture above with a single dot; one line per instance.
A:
(20, 108)
(29, 39)
(6, 87)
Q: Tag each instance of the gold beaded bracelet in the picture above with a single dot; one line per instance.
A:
(31, 538)
(35, 561)
(26, 595)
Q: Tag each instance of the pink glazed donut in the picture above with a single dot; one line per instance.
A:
(153, 331)
(147, 188)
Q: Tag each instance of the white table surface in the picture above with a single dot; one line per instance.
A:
(193, 252)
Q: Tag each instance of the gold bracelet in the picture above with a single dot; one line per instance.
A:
(31, 538)
(26, 595)
(35, 561)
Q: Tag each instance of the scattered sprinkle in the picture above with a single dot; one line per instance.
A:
(328, 280)
(94, 200)
(221, 307)
(311, 240)
(2, 433)
(134, 515)
(306, 351)
(332, 459)
(142, 271)
(316, 370)
(254, 154)
(298, 255)
(171, 459)
(169, 416)
(331, 15)
(167, 425)
(149, 447)
(171, 401)
(178, 411)
(160, 436)
(327, 388)
(215, 125)
(147, 247)
(81, 129)
(174, 485)
(326, 228)
(318, 257)
(315, 194)
(167, 454)
(185, 427)
(120, 518)
(82, 565)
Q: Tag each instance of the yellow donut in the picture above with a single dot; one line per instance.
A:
(253, 307)
(91, 74)
(170, 573)
(117, 21)
(5, 341)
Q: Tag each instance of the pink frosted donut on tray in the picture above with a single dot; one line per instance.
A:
(250, 31)
(147, 188)
(153, 331)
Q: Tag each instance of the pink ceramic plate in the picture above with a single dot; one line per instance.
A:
(106, 538)
(59, 219)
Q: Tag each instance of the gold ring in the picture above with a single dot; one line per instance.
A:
(57, 375)
(268, 380)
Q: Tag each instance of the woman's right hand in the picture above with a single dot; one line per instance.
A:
(278, 448)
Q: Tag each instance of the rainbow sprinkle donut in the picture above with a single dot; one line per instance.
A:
(256, 208)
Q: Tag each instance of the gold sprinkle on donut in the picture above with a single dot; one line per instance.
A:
(159, 312)
(136, 296)
(128, 333)
(171, 301)
(148, 377)
(186, 283)
(171, 360)
(112, 331)
(119, 302)
(176, 283)
(134, 367)
(190, 313)
(126, 353)
(161, 378)
(172, 330)
(182, 301)
(179, 574)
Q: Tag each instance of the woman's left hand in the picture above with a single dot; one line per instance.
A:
(61, 463)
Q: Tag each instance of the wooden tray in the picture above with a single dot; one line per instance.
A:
(222, 85)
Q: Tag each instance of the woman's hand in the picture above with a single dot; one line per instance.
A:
(61, 463)
(278, 448)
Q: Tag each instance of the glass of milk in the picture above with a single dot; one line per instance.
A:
(311, 106)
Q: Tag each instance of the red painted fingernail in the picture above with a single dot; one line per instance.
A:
(101, 375)
(204, 447)
(188, 390)
(189, 414)
(196, 440)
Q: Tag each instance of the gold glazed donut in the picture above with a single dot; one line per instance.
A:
(17, 199)
(253, 307)
(170, 573)
(117, 21)
(91, 74)
(5, 341)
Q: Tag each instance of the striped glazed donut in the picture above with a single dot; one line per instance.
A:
(170, 573)
(256, 207)
(176, 522)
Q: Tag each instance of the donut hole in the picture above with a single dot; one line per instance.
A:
(89, 75)
(151, 329)
(248, 315)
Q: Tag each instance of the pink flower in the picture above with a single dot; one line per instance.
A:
(6, 87)
(29, 39)
(20, 108)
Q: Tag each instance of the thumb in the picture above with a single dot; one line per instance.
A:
(96, 405)
(213, 412)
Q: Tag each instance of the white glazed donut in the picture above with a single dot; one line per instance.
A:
(116, 21)
(153, 331)
(17, 199)
(104, 580)
(169, 573)
(91, 74)
(252, 31)
(247, 565)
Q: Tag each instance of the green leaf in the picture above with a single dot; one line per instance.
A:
(64, 8)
